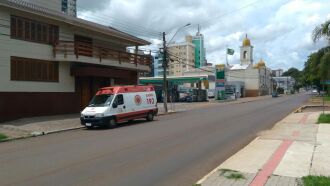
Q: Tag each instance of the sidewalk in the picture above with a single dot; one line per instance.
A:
(293, 148)
(49, 124)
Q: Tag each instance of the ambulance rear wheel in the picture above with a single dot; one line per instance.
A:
(112, 123)
(150, 116)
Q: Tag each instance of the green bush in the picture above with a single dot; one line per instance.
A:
(316, 181)
(3, 137)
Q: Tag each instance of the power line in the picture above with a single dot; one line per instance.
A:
(129, 27)
(249, 76)
(131, 30)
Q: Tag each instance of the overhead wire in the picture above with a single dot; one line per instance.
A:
(109, 21)
(250, 75)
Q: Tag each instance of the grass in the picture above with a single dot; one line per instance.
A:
(327, 98)
(316, 180)
(3, 137)
(235, 176)
(231, 174)
(324, 118)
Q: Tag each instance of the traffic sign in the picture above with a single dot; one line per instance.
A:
(326, 82)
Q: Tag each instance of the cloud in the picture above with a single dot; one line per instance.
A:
(280, 30)
(87, 5)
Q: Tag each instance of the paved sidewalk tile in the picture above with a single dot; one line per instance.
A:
(51, 126)
(321, 159)
(308, 152)
(219, 178)
(282, 180)
(14, 133)
(286, 131)
(296, 162)
(292, 118)
(252, 157)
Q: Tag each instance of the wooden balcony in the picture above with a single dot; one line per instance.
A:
(66, 49)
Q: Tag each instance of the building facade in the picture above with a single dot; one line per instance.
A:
(53, 63)
(181, 57)
(287, 83)
(200, 51)
(277, 73)
(68, 7)
(256, 78)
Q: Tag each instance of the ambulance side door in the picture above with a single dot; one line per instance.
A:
(120, 104)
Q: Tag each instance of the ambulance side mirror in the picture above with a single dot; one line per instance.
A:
(114, 105)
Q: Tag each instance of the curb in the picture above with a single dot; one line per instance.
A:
(299, 110)
(169, 113)
(12, 139)
(199, 182)
(41, 134)
(63, 130)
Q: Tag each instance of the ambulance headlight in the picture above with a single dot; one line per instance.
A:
(99, 115)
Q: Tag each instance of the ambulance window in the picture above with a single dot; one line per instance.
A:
(120, 99)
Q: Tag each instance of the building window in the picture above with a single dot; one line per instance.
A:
(64, 6)
(30, 30)
(244, 54)
(23, 69)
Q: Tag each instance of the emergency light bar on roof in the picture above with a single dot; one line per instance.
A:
(124, 89)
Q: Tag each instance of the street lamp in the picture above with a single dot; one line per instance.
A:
(188, 24)
(165, 63)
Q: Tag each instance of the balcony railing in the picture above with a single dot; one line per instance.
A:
(80, 49)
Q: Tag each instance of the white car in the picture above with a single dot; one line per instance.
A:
(315, 92)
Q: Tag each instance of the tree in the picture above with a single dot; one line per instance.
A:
(293, 72)
(297, 75)
(317, 68)
(323, 58)
(322, 31)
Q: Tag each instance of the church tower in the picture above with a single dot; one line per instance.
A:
(247, 52)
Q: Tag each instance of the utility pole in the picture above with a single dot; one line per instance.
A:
(164, 73)
(287, 84)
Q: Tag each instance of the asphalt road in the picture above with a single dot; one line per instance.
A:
(177, 149)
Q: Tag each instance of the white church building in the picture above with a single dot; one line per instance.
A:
(256, 78)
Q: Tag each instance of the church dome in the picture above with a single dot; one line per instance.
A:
(260, 64)
(246, 41)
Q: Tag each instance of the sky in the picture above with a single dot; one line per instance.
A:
(279, 30)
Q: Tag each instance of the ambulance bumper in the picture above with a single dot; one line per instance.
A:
(94, 122)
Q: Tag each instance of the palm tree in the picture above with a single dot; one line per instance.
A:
(322, 31)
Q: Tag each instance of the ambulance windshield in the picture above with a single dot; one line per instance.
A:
(102, 100)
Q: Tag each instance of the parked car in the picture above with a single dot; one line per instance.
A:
(274, 94)
(112, 105)
(315, 92)
(210, 93)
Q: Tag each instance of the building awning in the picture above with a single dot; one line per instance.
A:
(174, 79)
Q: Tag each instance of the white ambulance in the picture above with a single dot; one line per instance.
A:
(112, 105)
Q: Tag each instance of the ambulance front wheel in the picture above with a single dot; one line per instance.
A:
(112, 123)
(150, 116)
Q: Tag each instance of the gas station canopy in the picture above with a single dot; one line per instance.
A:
(173, 79)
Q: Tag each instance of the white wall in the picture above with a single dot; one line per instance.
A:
(13, 47)
(249, 76)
